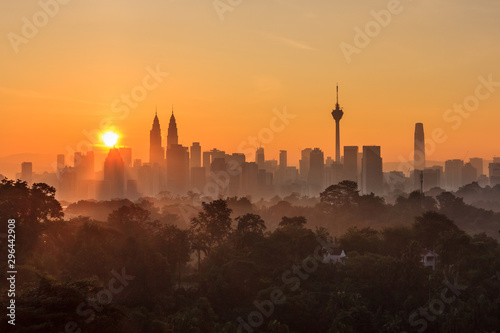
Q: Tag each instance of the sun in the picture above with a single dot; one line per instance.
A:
(110, 138)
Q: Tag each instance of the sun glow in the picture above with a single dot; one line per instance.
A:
(110, 138)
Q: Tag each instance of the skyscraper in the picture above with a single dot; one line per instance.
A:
(316, 171)
(156, 155)
(372, 174)
(60, 162)
(114, 175)
(469, 174)
(304, 163)
(337, 114)
(419, 148)
(177, 168)
(477, 163)
(453, 170)
(260, 158)
(351, 163)
(195, 155)
(172, 137)
(283, 159)
(494, 170)
(27, 172)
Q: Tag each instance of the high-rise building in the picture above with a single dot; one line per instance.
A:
(260, 158)
(84, 165)
(419, 147)
(432, 178)
(126, 153)
(494, 170)
(337, 114)
(207, 161)
(27, 172)
(478, 164)
(195, 155)
(114, 175)
(60, 162)
(304, 163)
(372, 173)
(283, 159)
(234, 168)
(177, 168)
(172, 137)
(351, 163)
(156, 152)
(453, 172)
(316, 175)
(249, 179)
(469, 174)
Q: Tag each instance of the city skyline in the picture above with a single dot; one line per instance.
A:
(178, 169)
(100, 149)
(223, 86)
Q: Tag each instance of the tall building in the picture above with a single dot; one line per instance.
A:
(453, 170)
(419, 147)
(84, 165)
(126, 153)
(27, 172)
(283, 159)
(260, 158)
(177, 168)
(234, 168)
(207, 161)
(351, 163)
(304, 163)
(469, 174)
(478, 164)
(60, 162)
(156, 155)
(195, 155)
(172, 137)
(337, 114)
(494, 170)
(372, 175)
(316, 171)
(114, 175)
(432, 178)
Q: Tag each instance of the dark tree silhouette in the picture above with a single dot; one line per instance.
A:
(32, 208)
(211, 227)
(296, 221)
(344, 194)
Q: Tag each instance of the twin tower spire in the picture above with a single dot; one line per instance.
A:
(156, 151)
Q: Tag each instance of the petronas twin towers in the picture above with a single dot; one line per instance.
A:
(156, 151)
(172, 160)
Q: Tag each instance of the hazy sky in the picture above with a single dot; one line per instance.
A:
(227, 76)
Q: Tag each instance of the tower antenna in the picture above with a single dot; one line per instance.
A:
(337, 94)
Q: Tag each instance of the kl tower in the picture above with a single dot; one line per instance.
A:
(337, 114)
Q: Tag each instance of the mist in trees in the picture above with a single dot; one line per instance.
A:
(155, 266)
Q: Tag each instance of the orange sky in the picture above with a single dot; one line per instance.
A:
(227, 76)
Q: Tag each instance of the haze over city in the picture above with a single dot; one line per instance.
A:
(225, 77)
(278, 166)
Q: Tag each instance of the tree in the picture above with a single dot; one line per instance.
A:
(344, 194)
(296, 221)
(32, 208)
(430, 226)
(249, 228)
(174, 244)
(211, 227)
(361, 240)
(130, 218)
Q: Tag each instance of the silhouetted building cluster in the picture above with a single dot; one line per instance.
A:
(176, 169)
